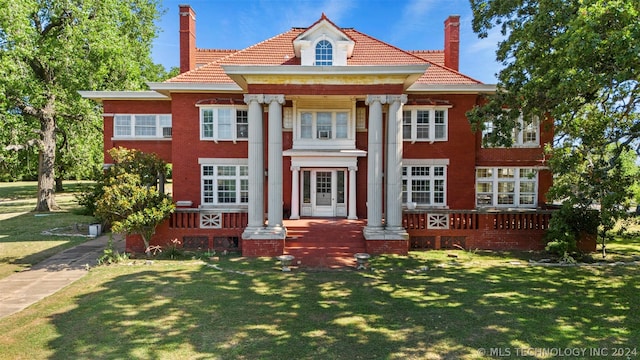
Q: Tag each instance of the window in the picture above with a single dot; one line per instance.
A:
(509, 187)
(424, 185)
(424, 124)
(526, 134)
(142, 126)
(224, 123)
(225, 184)
(324, 125)
(324, 53)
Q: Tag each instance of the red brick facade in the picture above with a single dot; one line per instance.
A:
(277, 67)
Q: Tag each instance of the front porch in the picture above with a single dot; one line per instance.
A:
(332, 242)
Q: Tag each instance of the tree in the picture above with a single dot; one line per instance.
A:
(130, 198)
(577, 63)
(51, 49)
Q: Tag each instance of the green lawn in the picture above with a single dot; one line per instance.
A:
(22, 242)
(247, 309)
(427, 305)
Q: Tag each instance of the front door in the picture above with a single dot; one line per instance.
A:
(323, 192)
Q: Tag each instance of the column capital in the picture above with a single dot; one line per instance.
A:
(397, 98)
(295, 168)
(268, 99)
(382, 99)
(248, 98)
(353, 168)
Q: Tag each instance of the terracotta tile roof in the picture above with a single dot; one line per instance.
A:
(205, 56)
(278, 50)
(434, 56)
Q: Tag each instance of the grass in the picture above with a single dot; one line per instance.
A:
(247, 309)
(22, 242)
(427, 305)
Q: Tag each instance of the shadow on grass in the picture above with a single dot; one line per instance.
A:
(195, 312)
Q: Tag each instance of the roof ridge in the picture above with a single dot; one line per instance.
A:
(211, 50)
(425, 51)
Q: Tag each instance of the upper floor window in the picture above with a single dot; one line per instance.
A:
(324, 53)
(525, 134)
(142, 126)
(224, 123)
(424, 184)
(506, 187)
(424, 124)
(324, 125)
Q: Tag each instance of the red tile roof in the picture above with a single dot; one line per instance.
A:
(278, 50)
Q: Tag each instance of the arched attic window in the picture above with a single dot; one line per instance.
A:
(324, 53)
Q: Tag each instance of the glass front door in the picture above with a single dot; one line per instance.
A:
(323, 192)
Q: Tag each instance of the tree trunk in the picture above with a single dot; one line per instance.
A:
(46, 174)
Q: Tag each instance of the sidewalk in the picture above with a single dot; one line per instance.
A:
(25, 288)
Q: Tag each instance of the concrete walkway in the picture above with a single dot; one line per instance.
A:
(22, 289)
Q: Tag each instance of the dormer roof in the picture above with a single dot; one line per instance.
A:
(323, 28)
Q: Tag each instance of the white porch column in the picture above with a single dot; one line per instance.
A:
(256, 165)
(393, 212)
(352, 194)
(374, 165)
(295, 193)
(275, 163)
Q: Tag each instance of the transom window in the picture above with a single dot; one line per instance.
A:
(224, 123)
(225, 184)
(526, 134)
(142, 125)
(508, 187)
(324, 53)
(424, 124)
(324, 125)
(424, 184)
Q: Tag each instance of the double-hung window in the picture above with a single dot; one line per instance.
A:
(525, 134)
(324, 125)
(142, 126)
(424, 123)
(225, 184)
(424, 184)
(506, 187)
(224, 123)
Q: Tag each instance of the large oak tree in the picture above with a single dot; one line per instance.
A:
(50, 49)
(577, 62)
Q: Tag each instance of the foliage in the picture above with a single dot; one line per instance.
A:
(575, 62)
(52, 49)
(566, 225)
(111, 255)
(130, 200)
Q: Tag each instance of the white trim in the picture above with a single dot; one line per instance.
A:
(123, 95)
(223, 161)
(425, 162)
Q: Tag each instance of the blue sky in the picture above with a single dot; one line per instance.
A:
(407, 24)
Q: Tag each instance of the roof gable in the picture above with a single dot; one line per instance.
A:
(323, 29)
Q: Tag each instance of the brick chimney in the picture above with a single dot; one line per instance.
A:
(187, 38)
(452, 42)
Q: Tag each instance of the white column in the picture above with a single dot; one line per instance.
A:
(352, 193)
(295, 193)
(374, 164)
(393, 212)
(256, 165)
(274, 182)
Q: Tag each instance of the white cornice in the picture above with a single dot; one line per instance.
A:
(452, 88)
(123, 95)
(169, 87)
